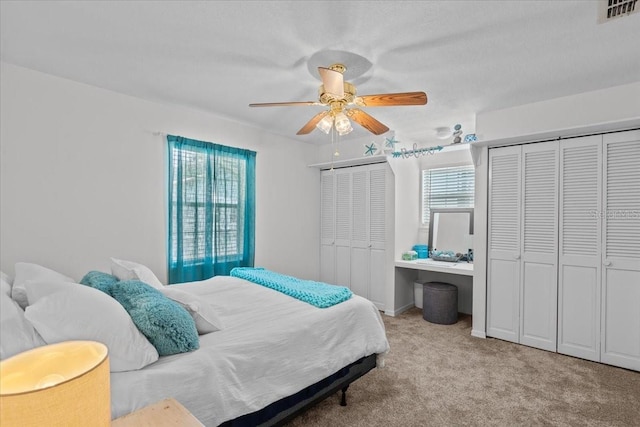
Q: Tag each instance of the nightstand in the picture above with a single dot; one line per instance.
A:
(166, 413)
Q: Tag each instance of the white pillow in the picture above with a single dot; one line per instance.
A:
(5, 283)
(27, 271)
(79, 312)
(16, 333)
(202, 313)
(37, 289)
(129, 270)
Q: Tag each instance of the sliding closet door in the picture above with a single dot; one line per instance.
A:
(579, 247)
(359, 236)
(539, 247)
(621, 257)
(503, 267)
(327, 227)
(378, 234)
(368, 235)
(343, 227)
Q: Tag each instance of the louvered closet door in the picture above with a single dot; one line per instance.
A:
(343, 226)
(359, 234)
(503, 265)
(327, 227)
(539, 247)
(377, 234)
(579, 247)
(621, 258)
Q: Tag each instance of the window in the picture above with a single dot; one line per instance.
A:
(211, 209)
(451, 187)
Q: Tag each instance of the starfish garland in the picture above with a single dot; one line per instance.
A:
(371, 149)
(391, 142)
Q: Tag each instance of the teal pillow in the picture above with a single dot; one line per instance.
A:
(165, 323)
(99, 280)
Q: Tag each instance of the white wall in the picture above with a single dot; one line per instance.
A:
(407, 197)
(349, 149)
(604, 109)
(83, 178)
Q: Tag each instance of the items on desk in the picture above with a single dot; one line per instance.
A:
(409, 256)
(449, 256)
(422, 250)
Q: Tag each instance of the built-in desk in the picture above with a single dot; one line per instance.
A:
(422, 270)
(462, 268)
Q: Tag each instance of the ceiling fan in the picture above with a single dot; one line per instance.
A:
(340, 97)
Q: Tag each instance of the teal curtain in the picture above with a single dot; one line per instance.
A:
(211, 209)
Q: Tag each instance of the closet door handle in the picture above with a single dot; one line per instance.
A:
(607, 263)
(516, 256)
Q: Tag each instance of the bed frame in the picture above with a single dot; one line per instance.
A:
(284, 410)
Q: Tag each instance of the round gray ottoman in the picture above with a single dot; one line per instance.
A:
(440, 303)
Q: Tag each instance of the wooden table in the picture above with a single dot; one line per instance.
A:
(166, 413)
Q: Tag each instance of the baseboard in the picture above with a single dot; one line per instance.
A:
(394, 313)
(478, 334)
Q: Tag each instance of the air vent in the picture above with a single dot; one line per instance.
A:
(611, 9)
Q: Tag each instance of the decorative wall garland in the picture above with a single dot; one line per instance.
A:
(388, 147)
(416, 152)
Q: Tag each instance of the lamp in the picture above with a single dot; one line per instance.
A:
(64, 384)
(342, 124)
(325, 124)
(339, 120)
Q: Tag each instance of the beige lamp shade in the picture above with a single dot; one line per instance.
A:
(64, 384)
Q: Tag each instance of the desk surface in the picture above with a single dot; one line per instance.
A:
(461, 268)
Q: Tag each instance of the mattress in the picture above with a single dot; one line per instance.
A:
(270, 346)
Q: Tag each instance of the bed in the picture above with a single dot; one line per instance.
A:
(273, 356)
(271, 346)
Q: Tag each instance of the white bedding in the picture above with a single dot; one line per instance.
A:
(270, 346)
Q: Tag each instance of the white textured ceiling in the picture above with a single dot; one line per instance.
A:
(218, 56)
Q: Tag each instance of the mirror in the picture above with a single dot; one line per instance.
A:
(451, 229)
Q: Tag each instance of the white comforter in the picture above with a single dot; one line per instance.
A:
(271, 346)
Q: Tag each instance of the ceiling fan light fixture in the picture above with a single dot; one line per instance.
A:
(342, 123)
(338, 95)
(325, 124)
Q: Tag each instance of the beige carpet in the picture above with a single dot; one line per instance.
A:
(438, 375)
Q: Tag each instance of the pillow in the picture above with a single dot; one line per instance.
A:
(16, 333)
(201, 312)
(78, 312)
(5, 283)
(37, 289)
(99, 280)
(129, 270)
(27, 271)
(167, 325)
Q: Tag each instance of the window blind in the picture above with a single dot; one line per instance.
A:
(451, 187)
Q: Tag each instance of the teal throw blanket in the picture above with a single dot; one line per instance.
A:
(322, 295)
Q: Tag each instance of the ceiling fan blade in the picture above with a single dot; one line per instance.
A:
(390, 99)
(333, 81)
(284, 104)
(311, 124)
(366, 121)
